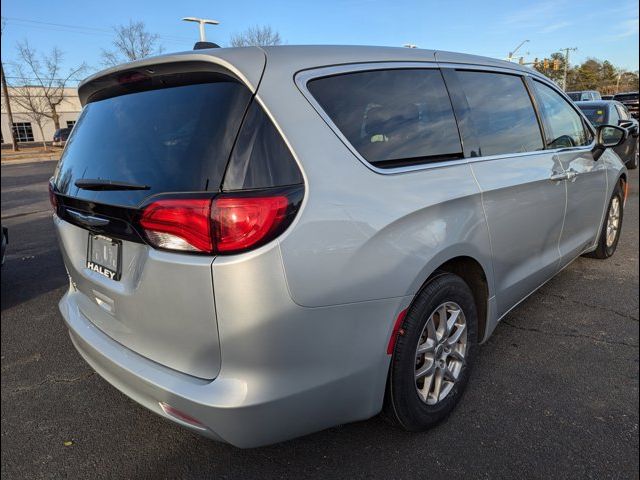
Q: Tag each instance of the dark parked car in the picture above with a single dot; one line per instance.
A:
(610, 112)
(607, 97)
(61, 135)
(630, 100)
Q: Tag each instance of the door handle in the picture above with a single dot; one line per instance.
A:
(571, 175)
(558, 177)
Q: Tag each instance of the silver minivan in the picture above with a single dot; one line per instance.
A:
(266, 242)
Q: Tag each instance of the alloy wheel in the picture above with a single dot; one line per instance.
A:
(440, 354)
(613, 221)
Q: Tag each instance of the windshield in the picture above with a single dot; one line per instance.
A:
(596, 115)
(173, 139)
(575, 96)
(626, 97)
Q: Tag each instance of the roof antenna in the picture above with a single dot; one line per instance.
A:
(202, 44)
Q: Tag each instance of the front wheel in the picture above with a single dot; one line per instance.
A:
(611, 227)
(432, 358)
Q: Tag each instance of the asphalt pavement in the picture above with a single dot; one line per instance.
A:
(554, 393)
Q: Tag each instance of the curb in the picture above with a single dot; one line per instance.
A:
(27, 160)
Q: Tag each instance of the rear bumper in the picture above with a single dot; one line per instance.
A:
(245, 412)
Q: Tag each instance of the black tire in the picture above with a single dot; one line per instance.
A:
(403, 406)
(633, 163)
(603, 251)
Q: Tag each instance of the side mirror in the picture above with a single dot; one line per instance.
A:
(609, 136)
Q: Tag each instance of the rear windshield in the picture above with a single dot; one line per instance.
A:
(596, 115)
(575, 96)
(626, 97)
(175, 139)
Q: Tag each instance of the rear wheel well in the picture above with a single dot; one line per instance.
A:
(623, 186)
(473, 274)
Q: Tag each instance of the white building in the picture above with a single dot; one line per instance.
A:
(27, 130)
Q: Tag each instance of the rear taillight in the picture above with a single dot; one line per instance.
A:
(241, 223)
(179, 224)
(226, 224)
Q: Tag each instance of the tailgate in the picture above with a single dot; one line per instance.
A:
(162, 307)
(148, 132)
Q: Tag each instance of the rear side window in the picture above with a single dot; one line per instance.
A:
(260, 158)
(596, 115)
(392, 117)
(502, 115)
(175, 139)
(564, 126)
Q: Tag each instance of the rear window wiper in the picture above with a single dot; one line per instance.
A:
(100, 184)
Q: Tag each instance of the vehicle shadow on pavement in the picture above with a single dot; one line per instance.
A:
(33, 264)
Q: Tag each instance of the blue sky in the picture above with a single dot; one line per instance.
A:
(492, 28)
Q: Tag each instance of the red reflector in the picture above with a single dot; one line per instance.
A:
(132, 77)
(52, 198)
(179, 224)
(242, 222)
(396, 331)
(175, 413)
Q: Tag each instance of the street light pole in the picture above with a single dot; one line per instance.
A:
(202, 22)
(511, 54)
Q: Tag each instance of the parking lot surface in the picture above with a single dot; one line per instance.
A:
(554, 393)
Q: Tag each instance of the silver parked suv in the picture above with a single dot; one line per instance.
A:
(262, 243)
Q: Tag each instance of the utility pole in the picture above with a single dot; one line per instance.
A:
(7, 106)
(5, 94)
(511, 54)
(566, 65)
(202, 22)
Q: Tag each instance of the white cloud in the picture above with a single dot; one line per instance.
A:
(554, 26)
(628, 28)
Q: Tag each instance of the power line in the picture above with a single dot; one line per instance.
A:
(86, 30)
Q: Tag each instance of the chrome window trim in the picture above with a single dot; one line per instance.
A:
(304, 76)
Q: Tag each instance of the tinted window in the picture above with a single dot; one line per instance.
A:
(564, 127)
(596, 115)
(260, 158)
(392, 117)
(171, 139)
(502, 115)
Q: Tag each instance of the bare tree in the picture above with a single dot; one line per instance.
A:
(256, 36)
(131, 42)
(39, 83)
(34, 104)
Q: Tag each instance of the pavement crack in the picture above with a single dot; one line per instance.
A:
(24, 214)
(566, 334)
(52, 380)
(591, 305)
